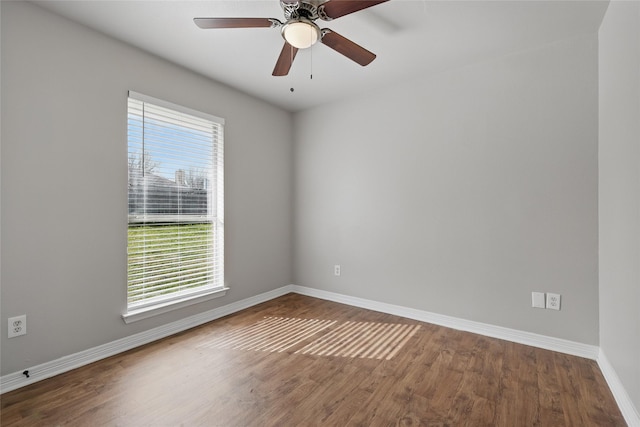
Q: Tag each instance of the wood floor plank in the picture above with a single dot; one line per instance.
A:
(437, 377)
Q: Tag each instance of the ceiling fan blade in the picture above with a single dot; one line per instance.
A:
(206, 23)
(285, 60)
(343, 45)
(336, 8)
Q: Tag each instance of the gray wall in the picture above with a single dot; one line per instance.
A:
(619, 183)
(64, 102)
(460, 193)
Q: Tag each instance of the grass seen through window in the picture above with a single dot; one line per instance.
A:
(168, 258)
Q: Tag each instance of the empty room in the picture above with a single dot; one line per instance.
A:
(320, 213)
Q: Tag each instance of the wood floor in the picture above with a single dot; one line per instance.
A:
(300, 361)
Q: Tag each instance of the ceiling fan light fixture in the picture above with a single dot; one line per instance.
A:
(301, 33)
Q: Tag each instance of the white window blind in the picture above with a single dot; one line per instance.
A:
(175, 245)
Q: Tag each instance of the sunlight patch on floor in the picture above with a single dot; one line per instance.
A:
(362, 339)
(370, 340)
(275, 334)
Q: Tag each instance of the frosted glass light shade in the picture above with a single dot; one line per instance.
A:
(301, 34)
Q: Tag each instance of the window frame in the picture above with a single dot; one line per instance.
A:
(163, 303)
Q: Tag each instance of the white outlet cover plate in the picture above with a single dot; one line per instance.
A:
(17, 326)
(553, 301)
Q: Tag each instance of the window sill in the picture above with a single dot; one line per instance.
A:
(154, 310)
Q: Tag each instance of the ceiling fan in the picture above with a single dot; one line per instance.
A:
(300, 30)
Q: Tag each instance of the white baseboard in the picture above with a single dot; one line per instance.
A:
(521, 337)
(67, 363)
(629, 411)
(49, 369)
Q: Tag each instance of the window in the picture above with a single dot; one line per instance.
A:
(175, 244)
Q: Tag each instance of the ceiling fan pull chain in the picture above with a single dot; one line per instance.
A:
(311, 59)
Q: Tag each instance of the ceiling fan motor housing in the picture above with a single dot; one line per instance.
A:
(300, 9)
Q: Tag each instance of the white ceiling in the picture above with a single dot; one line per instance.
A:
(412, 38)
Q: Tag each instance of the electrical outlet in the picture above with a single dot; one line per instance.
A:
(553, 301)
(17, 326)
(336, 270)
(537, 300)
